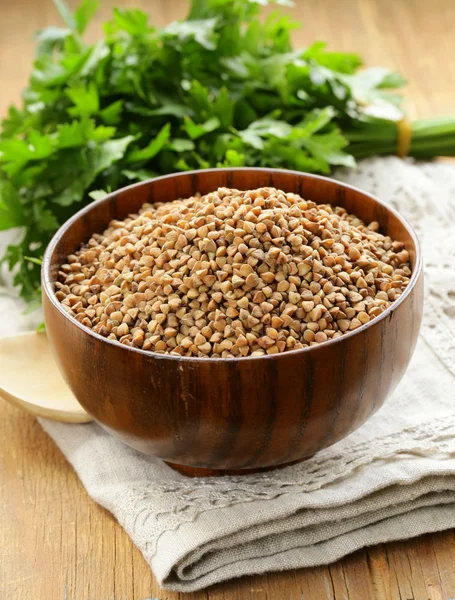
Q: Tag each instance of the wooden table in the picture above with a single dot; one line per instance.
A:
(56, 543)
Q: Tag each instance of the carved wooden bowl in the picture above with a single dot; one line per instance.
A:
(239, 413)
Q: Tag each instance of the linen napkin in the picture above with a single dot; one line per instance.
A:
(392, 479)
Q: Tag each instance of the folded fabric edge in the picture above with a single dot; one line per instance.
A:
(303, 532)
(405, 526)
(227, 525)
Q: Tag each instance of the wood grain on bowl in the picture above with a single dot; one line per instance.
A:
(241, 413)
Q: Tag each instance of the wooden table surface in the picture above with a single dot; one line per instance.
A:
(55, 542)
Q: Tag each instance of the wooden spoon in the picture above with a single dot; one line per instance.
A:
(30, 379)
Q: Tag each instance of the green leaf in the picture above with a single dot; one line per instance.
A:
(72, 135)
(74, 191)
(74, 59)
(154, 146)
(110, 152)
(181, 145)
(264, 128)
(112, 113)
(182, 165)
(316, 120)
(199, 98)
(343, 62)
(78, 133)
(47, 72)
(201, 162)
(252, 139)
(11, 212)
(233, 159)
(336, 83)
(33, 259)
(82, 168)
(41, 327)
(328, 148)
(17, 153)
(201, 31)
(44, 217)
(237, 65)
(40, 145)
(102, 133)
(132, 21)
(368, 86)
(170, 108)
(95, 57)
(65, 14)
(97, 194)
(51, 38)
(14, 150)
(267, 127)
(223, 108)
(195, 131)
(85, 100)
(84, 14)
(13, 123)
(139, 174)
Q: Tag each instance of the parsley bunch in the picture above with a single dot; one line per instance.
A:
(221, 88)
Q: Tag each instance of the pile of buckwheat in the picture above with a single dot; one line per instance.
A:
(233, 273)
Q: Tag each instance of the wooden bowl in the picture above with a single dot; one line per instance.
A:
(238, 413)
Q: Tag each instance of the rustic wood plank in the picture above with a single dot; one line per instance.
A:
(56, 543)
(359, 584)
(380, 573)
(338, 581)
(444, 551)
(316, 583)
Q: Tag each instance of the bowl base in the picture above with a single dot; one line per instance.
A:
(202, 472)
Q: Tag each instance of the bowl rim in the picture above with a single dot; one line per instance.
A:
(47, 286)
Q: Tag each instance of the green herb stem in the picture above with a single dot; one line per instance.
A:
(430, 138)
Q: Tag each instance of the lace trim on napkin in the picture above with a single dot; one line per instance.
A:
(182, 499)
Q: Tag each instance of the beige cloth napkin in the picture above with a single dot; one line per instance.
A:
(392, 479)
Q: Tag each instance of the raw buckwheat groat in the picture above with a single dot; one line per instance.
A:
(233, 273)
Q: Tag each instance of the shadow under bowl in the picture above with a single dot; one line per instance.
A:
(212, 415)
